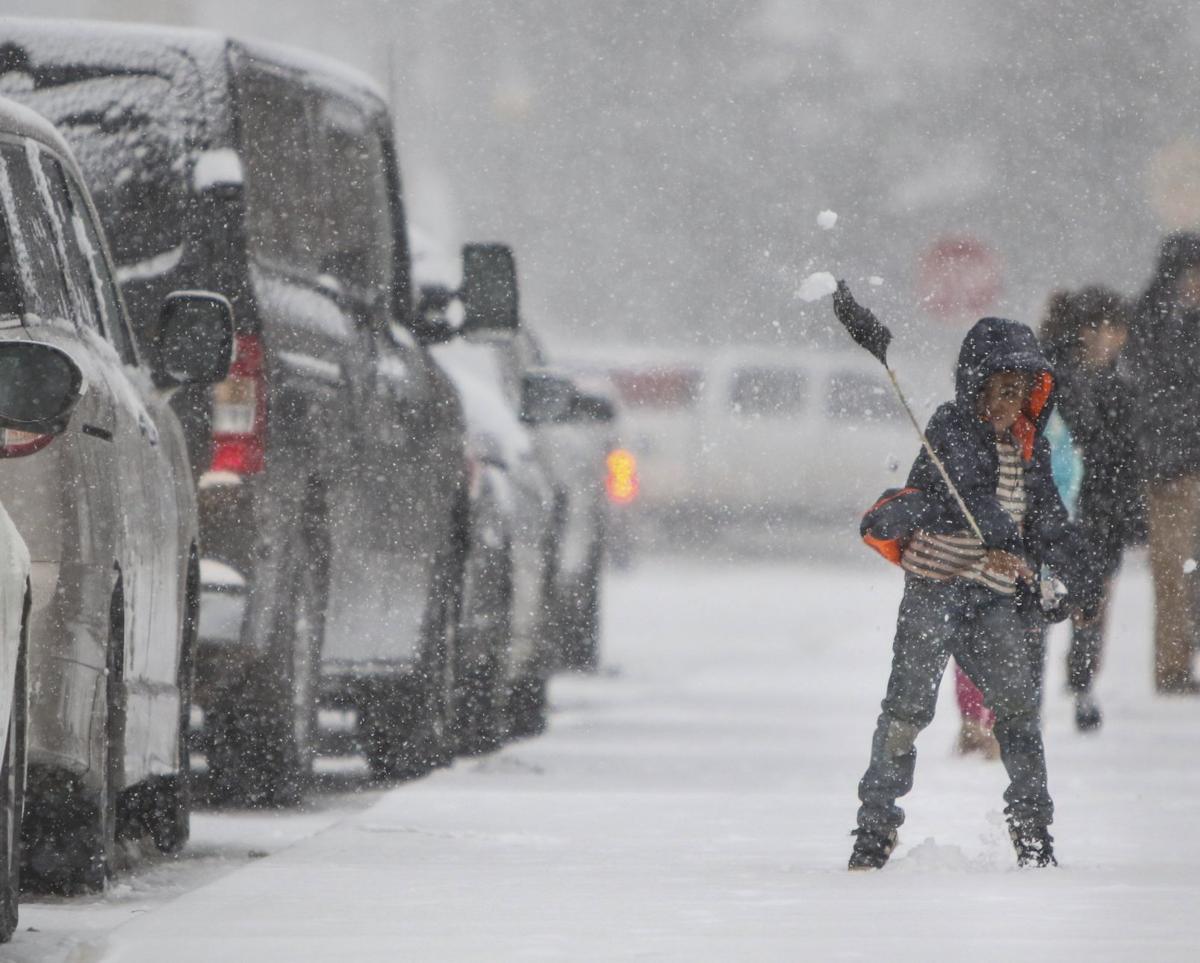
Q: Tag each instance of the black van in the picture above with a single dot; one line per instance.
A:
(330, 463)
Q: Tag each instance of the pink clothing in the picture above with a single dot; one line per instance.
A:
(970, 700)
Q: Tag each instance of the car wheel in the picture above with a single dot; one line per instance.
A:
(170, 818)
(261, 738)
(484, 633)
(68, 834)
(581, 623)
(12, 795)
(527, 707)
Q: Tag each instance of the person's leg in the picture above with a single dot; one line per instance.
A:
(1083, 660)
(975, 730)
(929, 615)
(1002, 653)
(1174, 514)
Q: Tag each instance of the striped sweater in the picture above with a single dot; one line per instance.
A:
(961, 554)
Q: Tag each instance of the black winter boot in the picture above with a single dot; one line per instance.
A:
(871, 848)
(1087, 713)
(1034, 845)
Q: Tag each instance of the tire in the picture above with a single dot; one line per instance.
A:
(527, 707)
(406, 726)
(391, 732)
(69, 834)
(171, 807)
(479, 727)
(12, 793)
(261, 738)
(581, 623)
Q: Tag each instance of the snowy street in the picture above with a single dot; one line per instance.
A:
(693, 801)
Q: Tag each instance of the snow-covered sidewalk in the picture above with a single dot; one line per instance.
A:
(694, 803)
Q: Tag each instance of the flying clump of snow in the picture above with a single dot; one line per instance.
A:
(817, 286)
(1189, 566)
(827, 219)
(875, 280)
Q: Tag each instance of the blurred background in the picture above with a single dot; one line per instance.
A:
(660, 167)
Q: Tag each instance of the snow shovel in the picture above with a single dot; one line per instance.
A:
(871, 333)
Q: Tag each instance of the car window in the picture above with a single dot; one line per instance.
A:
(104, 285)
(860, 396)
(357, 247)
(49, 176)
(42, 286)
(10, 282)
(772, 392)
(284, 204)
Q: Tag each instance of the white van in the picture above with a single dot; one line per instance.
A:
(759, 432)
(800, 434)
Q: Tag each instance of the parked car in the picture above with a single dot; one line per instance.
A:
(564, 545)
(105, 503)
(501, 662)
(39, 386)
(330, 463)
(14, 706)
(577, 445)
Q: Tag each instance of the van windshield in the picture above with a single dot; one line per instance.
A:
(130, 136)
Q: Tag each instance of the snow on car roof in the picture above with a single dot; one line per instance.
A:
(20, 120)
(125, 44)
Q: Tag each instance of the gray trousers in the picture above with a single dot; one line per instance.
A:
(1000, 647)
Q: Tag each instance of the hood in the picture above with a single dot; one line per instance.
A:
(997, 344)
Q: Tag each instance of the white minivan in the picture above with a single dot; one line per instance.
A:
(755, 432)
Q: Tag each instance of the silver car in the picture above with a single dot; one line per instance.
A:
(107, 511)
(39, 385)
(14, 602)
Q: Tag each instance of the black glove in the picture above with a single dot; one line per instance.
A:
(861, 323)
(849, 311)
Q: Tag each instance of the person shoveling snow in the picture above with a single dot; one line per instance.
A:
(979, 517)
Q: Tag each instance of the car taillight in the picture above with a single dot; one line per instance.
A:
(14, 443)
(622, 480)
(239, 415)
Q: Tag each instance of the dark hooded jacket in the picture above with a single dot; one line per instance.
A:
(967, 447)
(1164, 353)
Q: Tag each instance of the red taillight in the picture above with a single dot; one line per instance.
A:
(622, 480)
(239, 416)
(14, 444)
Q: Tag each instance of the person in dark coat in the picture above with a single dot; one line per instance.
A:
(975, 599)
(1084, 334)
(1165, 355)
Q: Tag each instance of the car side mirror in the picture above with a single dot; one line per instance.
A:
(195, 339)
(547, 398)
(489, 288)
(439, 315)
(39, 387)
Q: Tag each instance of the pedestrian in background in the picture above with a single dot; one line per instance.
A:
(1164, 351)
(1083, 335)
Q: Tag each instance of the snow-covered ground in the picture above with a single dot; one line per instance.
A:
(693, 803)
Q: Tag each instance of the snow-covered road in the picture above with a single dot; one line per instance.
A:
(693, 802)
